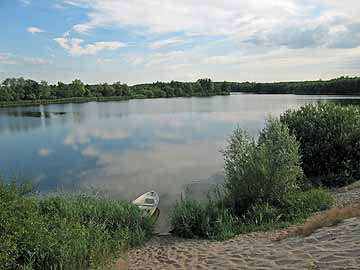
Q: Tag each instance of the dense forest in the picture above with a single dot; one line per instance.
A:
(22, 91)
(339, 86)
(19, 89)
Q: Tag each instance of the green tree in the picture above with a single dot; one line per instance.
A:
(329, 136)
(263, 172)
(45, 90)
(4, 94)
(77, 88)
(207, 86)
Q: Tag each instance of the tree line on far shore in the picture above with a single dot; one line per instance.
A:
(20, 89)
(338, 86)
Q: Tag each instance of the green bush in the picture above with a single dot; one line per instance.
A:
(329, 138)
(64, 232)
(192, 219)
(262, 214)
(299, 205)
(264, 172)
(262, 187)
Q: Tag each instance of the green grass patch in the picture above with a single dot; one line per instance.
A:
(64, 231)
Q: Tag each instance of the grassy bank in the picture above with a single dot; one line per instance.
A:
(63, 231)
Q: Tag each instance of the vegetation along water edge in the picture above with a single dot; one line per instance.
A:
(21, 92)
(26, 92)
(279, 179)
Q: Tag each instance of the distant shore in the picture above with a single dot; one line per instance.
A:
(26, 103)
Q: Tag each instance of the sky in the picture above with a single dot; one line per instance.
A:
(136, 41)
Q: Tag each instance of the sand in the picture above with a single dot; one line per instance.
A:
(336, 247)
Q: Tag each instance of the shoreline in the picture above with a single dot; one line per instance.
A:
(78, 100)
(329, 247)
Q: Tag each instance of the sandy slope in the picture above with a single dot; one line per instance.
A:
(335, 247)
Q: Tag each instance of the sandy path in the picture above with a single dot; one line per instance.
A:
(329, 248)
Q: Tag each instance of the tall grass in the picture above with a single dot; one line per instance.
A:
(64, 231)
(205, 220)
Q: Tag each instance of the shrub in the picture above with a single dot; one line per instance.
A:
(262, 189)
(299, 205)
(264, 172)
(262, 214)
(191, 219)
(64, 232)
(330, 145)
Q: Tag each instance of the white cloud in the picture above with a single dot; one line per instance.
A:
(159, 58)
(74, 46)
(11, 59)
(25, 3)
(44, 152)
(166, 42)
(292, 23)
(167, 57)
(200, 17)
(34, 30)
(90, 151)
(36, 61)
(83, 135)
(7, 59)
(103, 60)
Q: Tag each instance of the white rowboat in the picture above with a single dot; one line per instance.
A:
(148, 202)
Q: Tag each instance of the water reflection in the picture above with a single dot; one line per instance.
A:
(127, 148)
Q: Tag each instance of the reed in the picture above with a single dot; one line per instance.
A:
(65, 231)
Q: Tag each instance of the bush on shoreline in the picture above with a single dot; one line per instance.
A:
(262, 187)
(210, 220)
(329, 138)
(263, 172)
(65, 232)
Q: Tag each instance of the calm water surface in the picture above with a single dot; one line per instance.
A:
(127, 148)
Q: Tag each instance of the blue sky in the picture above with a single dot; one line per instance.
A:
(146, 40)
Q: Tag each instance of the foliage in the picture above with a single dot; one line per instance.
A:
(264, 172)
(212, 220)
(338, 86)
(299, 205)
(64, 232)
(262, 189)
(330, 145)
(15, 90)
(260, 214)
(205, 220)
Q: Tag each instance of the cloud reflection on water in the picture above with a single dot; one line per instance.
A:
(126, 148)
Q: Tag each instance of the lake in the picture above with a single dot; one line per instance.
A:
(126, 148)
